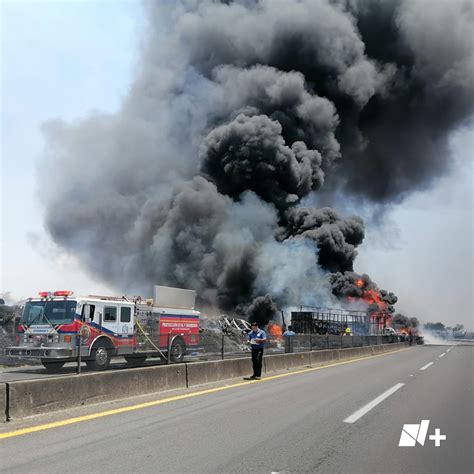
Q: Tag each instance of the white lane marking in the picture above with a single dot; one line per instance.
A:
(443, 354)
(366, 408)
(426, 366)
(411, 375)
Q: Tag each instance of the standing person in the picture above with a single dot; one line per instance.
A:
(257, 339)
(288, 335)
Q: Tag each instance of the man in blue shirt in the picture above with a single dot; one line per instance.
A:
(288, 334)
(257, 339)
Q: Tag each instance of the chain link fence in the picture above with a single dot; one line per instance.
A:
(228, 346)
(8, 338)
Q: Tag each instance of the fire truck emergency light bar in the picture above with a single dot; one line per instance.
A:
(46, 294)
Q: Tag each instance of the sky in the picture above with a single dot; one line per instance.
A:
(58, 59)
(65, 59)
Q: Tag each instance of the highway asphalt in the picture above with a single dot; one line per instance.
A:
(324, 420)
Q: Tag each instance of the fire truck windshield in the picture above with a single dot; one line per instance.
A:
(48, 312)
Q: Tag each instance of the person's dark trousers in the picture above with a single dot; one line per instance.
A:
(257, 357)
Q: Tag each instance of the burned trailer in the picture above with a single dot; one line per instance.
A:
(323, 321)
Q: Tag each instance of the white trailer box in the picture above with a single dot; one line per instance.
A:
(167, 297)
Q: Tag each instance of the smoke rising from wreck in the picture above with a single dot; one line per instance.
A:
(361, 289)
(401, 321)
(237, 113)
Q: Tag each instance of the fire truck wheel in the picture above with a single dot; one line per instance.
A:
(178, 349)
(100, 357)
(135, 360)
(52, 366)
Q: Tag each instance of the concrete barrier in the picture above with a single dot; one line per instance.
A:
(354, 353)
(377, 349)
(272, 363)
(318, 357)
(277, 362)
(3, 402)
(299, 360)
(366, 351)
(213, 371)
(32, 397)
(349, 353)
(395, 346)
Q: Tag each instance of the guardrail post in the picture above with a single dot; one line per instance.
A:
(327, 341)
(78, 343)
(169, 349)
(310, 342)
(222, 347)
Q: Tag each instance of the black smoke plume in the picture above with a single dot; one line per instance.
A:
(336, 237)
(240, 114)
(250, 154)
(361, 289)
(400, 321)
(261, 310)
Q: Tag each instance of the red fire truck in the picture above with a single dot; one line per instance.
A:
(54, 325)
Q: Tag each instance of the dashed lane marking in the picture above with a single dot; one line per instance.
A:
(427, 365)
(376, 401)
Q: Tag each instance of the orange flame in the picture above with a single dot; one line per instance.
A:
(373, 297)
(275, 330)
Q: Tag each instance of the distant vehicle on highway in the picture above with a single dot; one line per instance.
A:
(53, 326)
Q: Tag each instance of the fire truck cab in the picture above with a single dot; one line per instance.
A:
(57, 326)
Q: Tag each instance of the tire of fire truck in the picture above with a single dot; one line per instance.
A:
(135, 360)
(52, 366)
(100, 356)
(177, 351)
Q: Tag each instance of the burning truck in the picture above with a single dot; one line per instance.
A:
(56, 324)
(365, 310)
